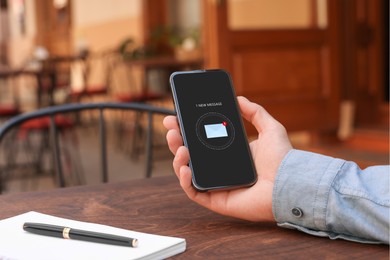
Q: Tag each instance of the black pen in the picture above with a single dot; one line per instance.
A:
(77, 234)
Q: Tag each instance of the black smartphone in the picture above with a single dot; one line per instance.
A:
(212, 129)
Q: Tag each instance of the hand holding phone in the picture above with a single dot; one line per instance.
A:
(268, 150)
(212, 129)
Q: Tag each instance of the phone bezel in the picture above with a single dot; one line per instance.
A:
(181, 126)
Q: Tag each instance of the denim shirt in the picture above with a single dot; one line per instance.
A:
(334, 198)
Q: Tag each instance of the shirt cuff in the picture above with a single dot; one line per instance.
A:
(301, 190)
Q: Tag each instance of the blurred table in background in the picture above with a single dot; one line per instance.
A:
(10, 90)
(164, 64)
(168, 62)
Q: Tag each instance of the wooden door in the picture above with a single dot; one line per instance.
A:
(4, 32)
(365, 60)
(293, 71)
(54, 25)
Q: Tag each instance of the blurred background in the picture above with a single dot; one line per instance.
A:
(320, 67)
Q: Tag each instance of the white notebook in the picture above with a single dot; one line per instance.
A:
(15, 243)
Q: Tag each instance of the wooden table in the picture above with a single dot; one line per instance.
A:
(159, 206)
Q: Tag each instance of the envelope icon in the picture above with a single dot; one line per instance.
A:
(215, 130)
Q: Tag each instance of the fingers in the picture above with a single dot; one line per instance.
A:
(174, 138)
(183, 172)
(182, 156)
(181, 159)
(255, 114)
(170, 122)
(185, 177)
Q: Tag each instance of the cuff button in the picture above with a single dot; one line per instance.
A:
(297, 212)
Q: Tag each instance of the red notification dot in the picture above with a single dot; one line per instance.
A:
(224, 123)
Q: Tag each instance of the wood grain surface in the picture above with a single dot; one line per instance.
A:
(159, 206)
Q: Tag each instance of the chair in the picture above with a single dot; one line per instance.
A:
(9, 98)
(134, 90)
(90, 76)
(53, 77)
(54, 118)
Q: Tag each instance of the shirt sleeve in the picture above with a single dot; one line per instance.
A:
(330, 197)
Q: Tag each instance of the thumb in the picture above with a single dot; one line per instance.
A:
(255, 114)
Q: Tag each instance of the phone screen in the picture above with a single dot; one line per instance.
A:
(212, 129)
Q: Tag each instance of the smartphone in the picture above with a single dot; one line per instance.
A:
(212, 129)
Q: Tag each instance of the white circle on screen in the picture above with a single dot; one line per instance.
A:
(215, 131)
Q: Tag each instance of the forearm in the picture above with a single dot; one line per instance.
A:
(332, 197)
